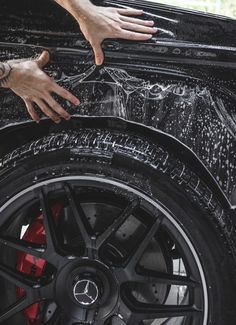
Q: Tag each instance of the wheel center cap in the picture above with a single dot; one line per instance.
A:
(86, 292)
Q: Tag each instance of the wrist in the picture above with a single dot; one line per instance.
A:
(78, 8)
(5, 71)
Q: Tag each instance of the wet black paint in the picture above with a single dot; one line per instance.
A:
(181, 82)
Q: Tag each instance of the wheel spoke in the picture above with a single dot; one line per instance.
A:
(16, 278)
(15, 308)
(164, 278)
(23, 246)
(195, 319)
(79, 216)
(48, 223)
(33, 296)
(66, 319)
(142, 312)
(118, 222)
(135, 258)
(62, 319)
(102, 322)
(153, 277)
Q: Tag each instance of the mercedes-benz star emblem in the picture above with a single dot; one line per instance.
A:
(86, 292)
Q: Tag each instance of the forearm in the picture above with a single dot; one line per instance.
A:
(5, 71)
(78, 8)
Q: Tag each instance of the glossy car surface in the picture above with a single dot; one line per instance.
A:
(181, 83)
(176, 91)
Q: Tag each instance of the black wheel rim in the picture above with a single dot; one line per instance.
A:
(114, 257)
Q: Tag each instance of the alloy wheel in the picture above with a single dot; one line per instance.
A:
(87, 250)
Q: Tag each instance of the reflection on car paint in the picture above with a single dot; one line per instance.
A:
(181, 82)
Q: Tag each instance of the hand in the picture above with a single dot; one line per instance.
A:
(34, 86)
(99, 23)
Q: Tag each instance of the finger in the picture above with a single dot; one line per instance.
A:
(56, 107)
(139, 28)
(47, 111)
(130, 12)
(65, 94)
(43, 59)
(31, 111)
(124, 34)
(137, 21)
(98, 53)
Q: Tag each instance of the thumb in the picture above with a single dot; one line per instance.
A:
(43, 59)
(98, 53)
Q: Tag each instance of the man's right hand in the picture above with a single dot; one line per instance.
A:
(98, 23)
(34, 86)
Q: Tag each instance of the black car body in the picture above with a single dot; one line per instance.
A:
(177, 90)
(179, 86)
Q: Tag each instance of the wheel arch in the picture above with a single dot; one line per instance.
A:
(16, 135)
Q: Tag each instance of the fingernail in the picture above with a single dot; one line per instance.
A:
(68, 118)
(155, 29)
(98, 61)
(57, 121)
(77, 102)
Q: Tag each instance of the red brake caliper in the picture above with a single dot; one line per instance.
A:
(31, 265)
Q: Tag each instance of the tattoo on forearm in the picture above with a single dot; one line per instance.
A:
(5, 71)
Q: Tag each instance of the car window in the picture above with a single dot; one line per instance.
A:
(222, 7)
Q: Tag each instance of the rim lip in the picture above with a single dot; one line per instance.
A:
(125, 187)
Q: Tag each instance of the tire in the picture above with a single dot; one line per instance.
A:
(194, 231)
